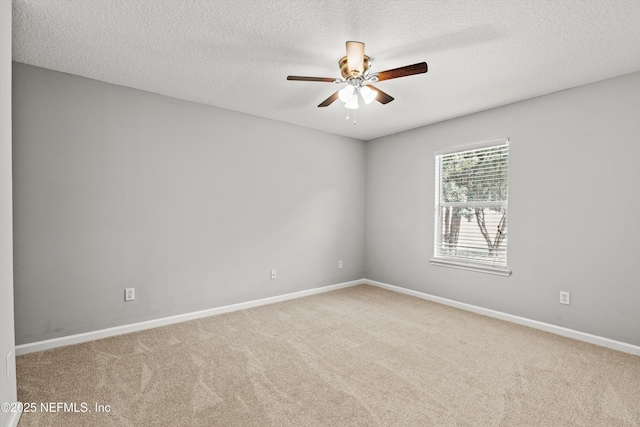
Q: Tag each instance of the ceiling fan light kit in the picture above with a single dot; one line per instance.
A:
(346, 93)
(368, 94)
(354, 67)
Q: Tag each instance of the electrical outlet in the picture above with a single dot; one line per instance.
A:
(130, 294)
(565, 298)
(273, 275)
(340, 265)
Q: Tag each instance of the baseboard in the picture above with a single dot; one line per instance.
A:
(149, 324)
(558, 330)
(14, 420)
(134, 327)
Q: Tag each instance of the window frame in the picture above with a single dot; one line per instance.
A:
(461, 263)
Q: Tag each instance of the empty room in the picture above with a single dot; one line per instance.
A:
(319, 213)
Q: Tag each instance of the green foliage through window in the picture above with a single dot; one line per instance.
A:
(472, 204)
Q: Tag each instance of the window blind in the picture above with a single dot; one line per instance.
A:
(471, 205)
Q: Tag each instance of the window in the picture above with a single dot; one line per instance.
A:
(471, 208)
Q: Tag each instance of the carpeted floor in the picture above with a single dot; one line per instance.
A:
(360, 356)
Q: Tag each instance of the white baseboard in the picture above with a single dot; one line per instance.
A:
(14, 420)
(134, 327)
(558, 330)
(149, 324)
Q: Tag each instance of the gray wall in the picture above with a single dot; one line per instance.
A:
(7, 385)
(189, 204)
(573, 197)
(193, 205)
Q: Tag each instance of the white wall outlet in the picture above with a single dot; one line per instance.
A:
(565, 297)
(273, 274)
(129, 294)
(340, 264)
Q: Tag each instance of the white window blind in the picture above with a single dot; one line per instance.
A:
(471, 206)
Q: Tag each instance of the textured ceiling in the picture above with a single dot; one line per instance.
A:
(236, 54)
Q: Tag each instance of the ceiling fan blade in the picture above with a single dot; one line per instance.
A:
(405, 71)
(311, 79)
(329, 100)
(382, 97)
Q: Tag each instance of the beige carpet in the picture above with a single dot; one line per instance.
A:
(360, 356)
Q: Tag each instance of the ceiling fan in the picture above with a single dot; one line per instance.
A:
(355, 69)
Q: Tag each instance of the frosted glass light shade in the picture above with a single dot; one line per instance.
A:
(368, 94)
(355, 56)
(346, 93)
(353, 103)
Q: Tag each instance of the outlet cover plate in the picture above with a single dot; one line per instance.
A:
(130, 294)
(565, 298)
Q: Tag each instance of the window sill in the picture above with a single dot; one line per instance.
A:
(443, 262)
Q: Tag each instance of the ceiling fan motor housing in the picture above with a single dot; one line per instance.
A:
(344, 67)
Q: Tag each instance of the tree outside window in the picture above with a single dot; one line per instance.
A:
(471, 203)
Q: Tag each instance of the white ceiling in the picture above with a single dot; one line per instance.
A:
(236, 54)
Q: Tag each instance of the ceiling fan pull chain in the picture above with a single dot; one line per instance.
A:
(355, 116)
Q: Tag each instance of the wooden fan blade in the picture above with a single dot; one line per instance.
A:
(329, 100)
(382, 97)
(311, 79)
(405, 71)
